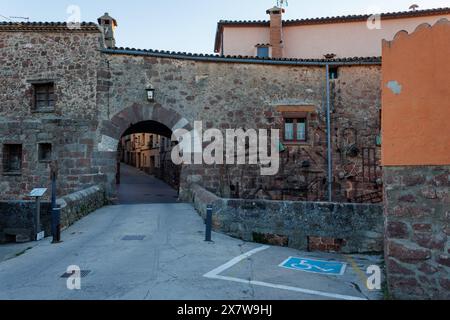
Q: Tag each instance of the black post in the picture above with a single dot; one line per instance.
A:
(209, 212)
(56, 212)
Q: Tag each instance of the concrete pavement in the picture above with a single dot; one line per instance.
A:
(138, 187)
(9, 251)
(169, 263)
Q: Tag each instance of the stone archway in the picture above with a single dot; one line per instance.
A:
(112, 130)
(136, 113)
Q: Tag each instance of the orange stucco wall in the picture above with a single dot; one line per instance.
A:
(416, 97)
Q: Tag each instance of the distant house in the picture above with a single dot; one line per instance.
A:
(316, 38)
(142, 151)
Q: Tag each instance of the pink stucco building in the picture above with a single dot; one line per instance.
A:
(339, 37)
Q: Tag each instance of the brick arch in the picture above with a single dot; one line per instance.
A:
(136, 113)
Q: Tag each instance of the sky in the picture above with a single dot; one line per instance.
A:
(190, 25)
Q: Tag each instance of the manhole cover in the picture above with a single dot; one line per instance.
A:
(133, 238)
(84, 273)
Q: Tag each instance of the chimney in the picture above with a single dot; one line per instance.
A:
(108, 24)
(276, 31)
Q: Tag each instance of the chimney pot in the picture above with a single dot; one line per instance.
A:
(108, 24)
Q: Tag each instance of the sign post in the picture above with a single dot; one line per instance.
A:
(38, 194)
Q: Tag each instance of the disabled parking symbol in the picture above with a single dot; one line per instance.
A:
(315, 266)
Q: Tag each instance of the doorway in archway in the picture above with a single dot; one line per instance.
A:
(145, 171)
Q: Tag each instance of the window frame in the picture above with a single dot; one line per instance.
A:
(296, 117)
(50, 90)
(267, 48)
(6, 159)
(40, 146)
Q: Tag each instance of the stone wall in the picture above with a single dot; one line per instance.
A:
(18, 220)
(353, 228)
(418, 231)
(241, 95)
(18, 217)
(101, 93)
(78, 205)
(69, 58)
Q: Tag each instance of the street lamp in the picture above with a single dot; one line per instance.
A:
(150, 94)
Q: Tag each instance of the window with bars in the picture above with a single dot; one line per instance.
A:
(12, 158)
(295, 130)
(44, 97)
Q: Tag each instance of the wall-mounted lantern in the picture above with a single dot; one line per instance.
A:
(150, 93)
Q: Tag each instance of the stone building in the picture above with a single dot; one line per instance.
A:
(66, 95)
(141, 150)
(152, 154)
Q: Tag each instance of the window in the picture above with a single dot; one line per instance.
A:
(295, 130)
(151, 144)
(263, 52)
(44, 97)
(45, 152)
(12, 158)
(333, 73)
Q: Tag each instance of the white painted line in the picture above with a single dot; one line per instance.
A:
(214, 274)
(295, 289)
(235, 261)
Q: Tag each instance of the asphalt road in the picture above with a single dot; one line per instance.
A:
(138, 187)
(169, 261)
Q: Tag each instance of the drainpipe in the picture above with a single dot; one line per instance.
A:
(222, 50)
(329, 146)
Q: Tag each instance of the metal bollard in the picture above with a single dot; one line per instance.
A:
(209, 213)
(56, 211)
(56, 225)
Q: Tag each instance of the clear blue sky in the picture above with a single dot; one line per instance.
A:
(190, 25)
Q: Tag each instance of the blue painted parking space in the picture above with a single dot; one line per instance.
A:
(315, 266)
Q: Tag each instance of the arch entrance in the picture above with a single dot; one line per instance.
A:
(144, 171)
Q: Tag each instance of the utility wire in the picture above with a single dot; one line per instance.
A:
(22, 18)
(5, 17)
(11, 19)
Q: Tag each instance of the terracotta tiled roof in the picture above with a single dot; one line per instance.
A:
(46, 26)
(348, 18)
(326, 20)
(247, 59)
